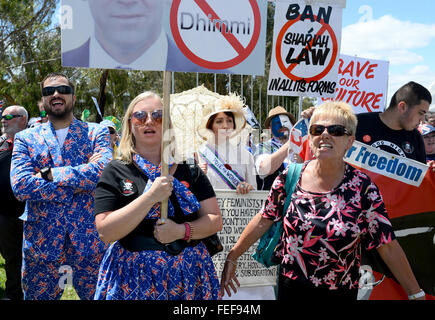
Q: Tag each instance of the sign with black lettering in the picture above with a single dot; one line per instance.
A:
(306, 48)
(237, 210)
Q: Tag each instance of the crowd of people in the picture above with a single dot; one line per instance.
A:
(77, 195)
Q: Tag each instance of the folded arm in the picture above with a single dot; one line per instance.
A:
(86, 175)
(29, 187)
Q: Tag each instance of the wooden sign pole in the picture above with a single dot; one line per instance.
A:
(165, 140)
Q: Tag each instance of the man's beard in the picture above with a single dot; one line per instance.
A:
(59, 114)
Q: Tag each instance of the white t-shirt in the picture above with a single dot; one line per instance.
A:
(61, 135)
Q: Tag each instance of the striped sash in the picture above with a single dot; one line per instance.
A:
(230, 177)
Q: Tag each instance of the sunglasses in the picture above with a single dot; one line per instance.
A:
(335, 130)
(11, 116)
(48, 91)
(139, 118)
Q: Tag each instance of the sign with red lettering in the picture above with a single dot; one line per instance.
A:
(306, 48)
(362, 83)
(206, 36)
(221, 34)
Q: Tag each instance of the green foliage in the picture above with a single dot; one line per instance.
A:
(28, 50)
(2, 277)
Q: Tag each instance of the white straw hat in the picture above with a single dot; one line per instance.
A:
(231, 103)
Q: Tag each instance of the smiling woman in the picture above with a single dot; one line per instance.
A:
(334, 212)
(228, 165)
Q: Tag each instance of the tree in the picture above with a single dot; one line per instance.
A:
(29, 49)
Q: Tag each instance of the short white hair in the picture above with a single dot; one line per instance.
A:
(20, 110)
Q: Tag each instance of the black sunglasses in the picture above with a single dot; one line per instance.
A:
(48, 91)
(11, 116)
(139, 118)
(335, 130)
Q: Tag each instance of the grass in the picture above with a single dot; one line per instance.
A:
(68, 294)
(2, 277)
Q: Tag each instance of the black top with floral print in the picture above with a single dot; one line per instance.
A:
(323, 232)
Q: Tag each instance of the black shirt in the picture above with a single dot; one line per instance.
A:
(10, 206)
(121, 183)
(372, 131)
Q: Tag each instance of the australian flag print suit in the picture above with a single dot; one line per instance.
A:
(59, 211)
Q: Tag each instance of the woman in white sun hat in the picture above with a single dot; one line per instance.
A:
(227, 165)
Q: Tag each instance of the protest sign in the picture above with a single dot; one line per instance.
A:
(411, 210)
(381, 162)
(237, 210)
(299, 138)
(306, 47)
(218, 36)
(362, 83)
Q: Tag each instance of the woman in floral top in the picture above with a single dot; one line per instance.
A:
(334, 211)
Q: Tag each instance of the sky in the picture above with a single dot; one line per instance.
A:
(401, 32)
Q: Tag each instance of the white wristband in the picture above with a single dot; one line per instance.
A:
(417, 295)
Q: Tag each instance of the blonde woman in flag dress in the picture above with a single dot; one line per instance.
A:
(151, 258)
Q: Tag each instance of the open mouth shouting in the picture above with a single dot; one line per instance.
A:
(57, 103)
(149, 132)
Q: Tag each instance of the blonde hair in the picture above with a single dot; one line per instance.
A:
(126, 146)
(336, 109)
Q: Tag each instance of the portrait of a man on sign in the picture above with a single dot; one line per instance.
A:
(161, 35)
(125, 36)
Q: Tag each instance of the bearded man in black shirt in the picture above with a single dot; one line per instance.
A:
(395, 129)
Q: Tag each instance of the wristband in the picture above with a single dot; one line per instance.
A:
(187, 234)
(45, 172)
(417, 295)
(232, 262)
(192, 229)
